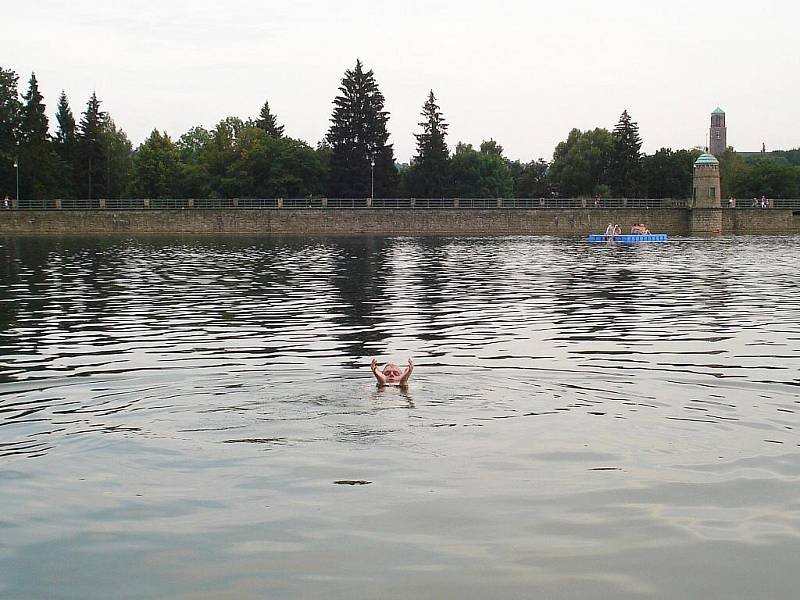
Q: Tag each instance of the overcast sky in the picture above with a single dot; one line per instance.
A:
(522, 72)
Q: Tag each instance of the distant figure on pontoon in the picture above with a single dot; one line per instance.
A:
(391, 374)
(611, 229)
(639, 229)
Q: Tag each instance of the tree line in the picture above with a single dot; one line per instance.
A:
(253, 158)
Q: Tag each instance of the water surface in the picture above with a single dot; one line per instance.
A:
(585, 421)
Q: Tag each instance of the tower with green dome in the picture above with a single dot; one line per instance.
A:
(706, 192)
(718, 135)
(706, 214)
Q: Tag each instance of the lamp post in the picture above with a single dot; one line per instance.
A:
(16, 168)
(372, 178)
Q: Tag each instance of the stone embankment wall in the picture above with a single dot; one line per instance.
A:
(761, 221)
(316, 221)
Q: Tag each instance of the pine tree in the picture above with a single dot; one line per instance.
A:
(429, 173)
(10, 110)
(267, 121)
(37, 155)
(65, 143)
(358, 137)
(91, 172)
(625, 164)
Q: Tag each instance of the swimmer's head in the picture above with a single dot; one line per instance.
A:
(392, 372)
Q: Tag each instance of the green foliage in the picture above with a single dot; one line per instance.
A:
(767, 178)
(491, 147)
(118, 151)
(90, 164)
(192, 179)
(668, 174)
(358, 136)
(34, 119)
(253, 158)
(240, 160)
(65, 144)
(624, 167)
(428, 175)
(38, 162)
(270, 167)
(579, 163)
(190, 145)
(790, 156)
(734, 171)
(10, 115)
(530, 179)
(480, 174)
(156, 166)
(267, 121)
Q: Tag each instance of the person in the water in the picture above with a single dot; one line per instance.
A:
(391, 374)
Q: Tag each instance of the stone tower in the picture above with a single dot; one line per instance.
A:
(706, 182)
(718, 136)
(706, 214)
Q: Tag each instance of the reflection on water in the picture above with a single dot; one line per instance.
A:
(195, 417)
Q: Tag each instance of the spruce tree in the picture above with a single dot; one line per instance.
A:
(429, 174)
(10, 110)
(37, 155)
(65, 143)
(34, 119)
(358, 137)
(267, 121)
(65, 132)
(91, 172)
(625, 164)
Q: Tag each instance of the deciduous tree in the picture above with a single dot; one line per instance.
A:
(580, 163)
(530, 179)
(118, 152)
(156, 166)
(480, 174)
(668, 173)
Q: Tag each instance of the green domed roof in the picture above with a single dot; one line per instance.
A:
(705, 160)
(718, 111)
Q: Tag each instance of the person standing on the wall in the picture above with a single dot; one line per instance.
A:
(6, 203)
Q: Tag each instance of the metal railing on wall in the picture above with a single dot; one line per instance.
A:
(378, 203)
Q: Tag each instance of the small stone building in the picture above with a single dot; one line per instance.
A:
(706, 184)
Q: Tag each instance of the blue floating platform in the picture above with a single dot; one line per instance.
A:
(628, 238)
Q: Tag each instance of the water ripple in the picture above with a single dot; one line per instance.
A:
(576, 411)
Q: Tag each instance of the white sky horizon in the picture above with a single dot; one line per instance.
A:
(522, 73)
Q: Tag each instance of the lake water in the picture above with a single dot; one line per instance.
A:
(584, 421)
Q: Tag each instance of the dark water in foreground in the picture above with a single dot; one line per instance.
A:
(584, 421)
